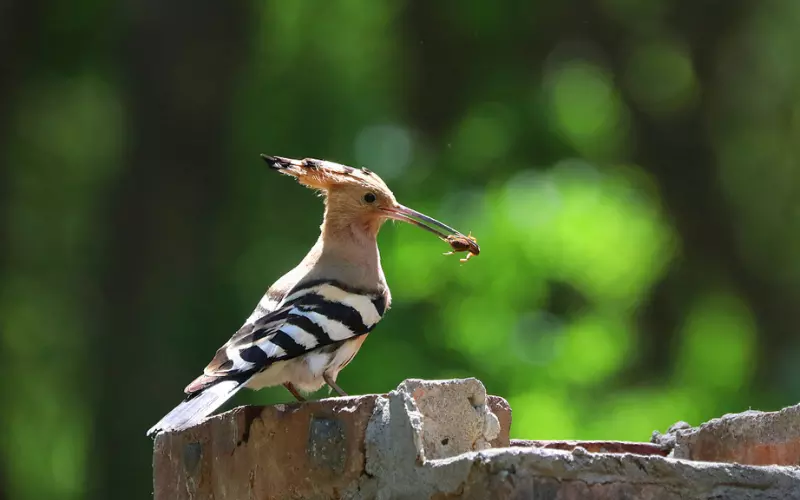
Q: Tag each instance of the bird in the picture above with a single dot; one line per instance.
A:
(313, 320)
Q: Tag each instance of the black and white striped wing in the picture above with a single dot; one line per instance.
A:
(311, 316)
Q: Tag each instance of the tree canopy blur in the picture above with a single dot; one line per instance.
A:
(630, 170)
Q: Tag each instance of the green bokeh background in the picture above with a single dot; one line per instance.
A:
(631, 170)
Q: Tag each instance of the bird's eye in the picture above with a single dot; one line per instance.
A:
(369, 198)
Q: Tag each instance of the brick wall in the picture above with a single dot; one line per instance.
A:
(448, 439)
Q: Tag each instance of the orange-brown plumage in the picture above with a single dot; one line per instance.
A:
(312, 321)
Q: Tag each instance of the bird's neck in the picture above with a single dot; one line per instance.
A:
(349, 238)
(347, 250)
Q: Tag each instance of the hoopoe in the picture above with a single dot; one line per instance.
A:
(311, 323)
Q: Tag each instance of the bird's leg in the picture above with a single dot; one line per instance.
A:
(290, 387)
(332, 384)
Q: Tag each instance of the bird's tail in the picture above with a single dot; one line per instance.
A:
(198, 406)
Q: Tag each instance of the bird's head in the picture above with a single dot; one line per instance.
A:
(355, 197)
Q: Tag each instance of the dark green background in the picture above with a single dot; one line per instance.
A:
(631, 169)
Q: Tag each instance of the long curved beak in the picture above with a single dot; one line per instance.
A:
(405, 214)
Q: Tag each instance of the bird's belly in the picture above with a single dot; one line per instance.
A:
(306, 372)
(274, 375)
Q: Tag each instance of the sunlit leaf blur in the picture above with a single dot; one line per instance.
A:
(630, 169)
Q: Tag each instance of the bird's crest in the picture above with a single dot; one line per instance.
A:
(323, 175)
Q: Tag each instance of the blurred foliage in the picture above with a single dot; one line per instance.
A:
(629, 168)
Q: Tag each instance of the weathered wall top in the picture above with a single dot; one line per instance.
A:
(448, 439)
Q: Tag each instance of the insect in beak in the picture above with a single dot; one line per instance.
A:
(457, 241)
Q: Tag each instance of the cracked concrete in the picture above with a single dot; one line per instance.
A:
(442, 440)
(751, 437)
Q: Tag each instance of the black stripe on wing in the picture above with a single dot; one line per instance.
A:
(254, 354)
(288, 344)
(308, 325)
(344, 314)
(266, 333)
(245, 339)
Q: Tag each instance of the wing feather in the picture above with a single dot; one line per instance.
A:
(312, 316)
